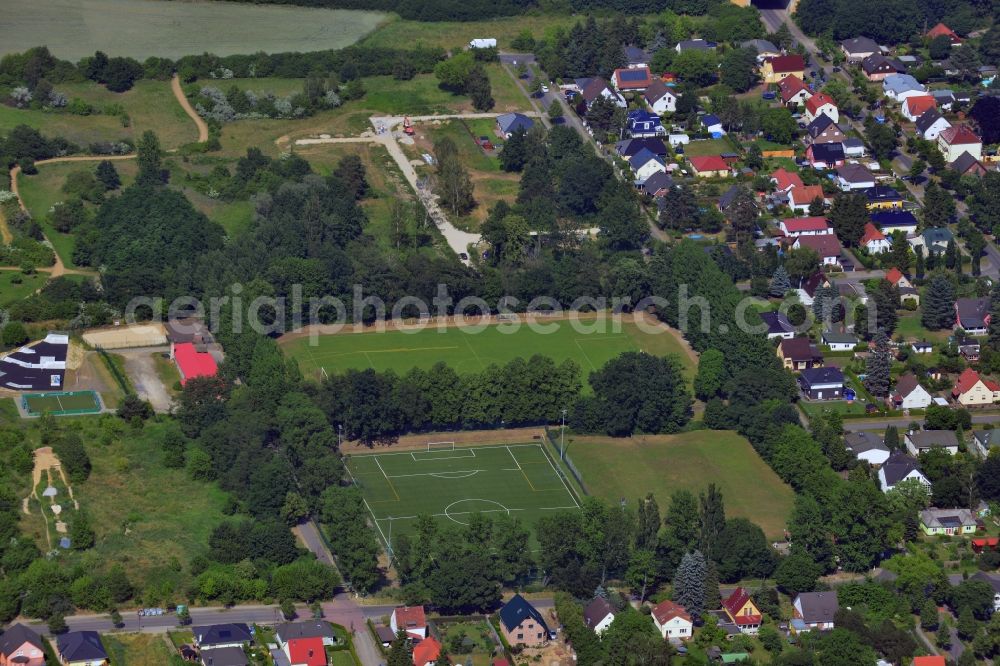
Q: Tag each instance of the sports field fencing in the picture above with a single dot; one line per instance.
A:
(112, 367)
(553, 442)
(60, 403)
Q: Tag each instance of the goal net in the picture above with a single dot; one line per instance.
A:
(440, 446)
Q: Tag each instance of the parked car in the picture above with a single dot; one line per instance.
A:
(545, 89)
(768, 95)
(836, 70)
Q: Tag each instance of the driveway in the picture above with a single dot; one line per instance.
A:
(140, 367)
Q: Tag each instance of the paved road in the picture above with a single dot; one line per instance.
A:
(854, 425)
(311, 537)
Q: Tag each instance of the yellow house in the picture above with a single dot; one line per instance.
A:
(777, 68)
(971, 389)
(742, 611)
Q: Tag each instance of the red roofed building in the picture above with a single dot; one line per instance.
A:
(826, 246)
(800, 197)
(426, 652)
(777, 68)
(786, 180)
(306, 652)
(936, 660)
(941, 30)
(971, 389)
(820, 104)
(672, 621)
(915, 106)
(958, 139)
(874, 240)
(709, 166)
(193, 363)
(627, 79)
(986, 543)
(808, 226)
(410, 619)
(742, 611)
(793, 90)
(894, 276)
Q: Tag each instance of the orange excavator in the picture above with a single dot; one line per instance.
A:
(407, 126)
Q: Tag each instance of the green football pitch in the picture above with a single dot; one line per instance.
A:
(77, 402)
(451, 484)
(469, 352)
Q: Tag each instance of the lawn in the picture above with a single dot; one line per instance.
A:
(476, 640)
(630, 468)
(128, 649)
(143, 28)
(44, 189)
(15, 286)
(454, 483)
(709, 147)
(911, 328)
(149, 105)
(151, 519)
(469, 352)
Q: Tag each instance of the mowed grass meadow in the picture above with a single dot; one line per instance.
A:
(469, 352)
(614, 468)
(73, 29)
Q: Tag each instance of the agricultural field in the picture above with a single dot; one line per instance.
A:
(149, 105)
(143, 28)
(453, 35)
(44, 189)
(451, 484)
(616, 468)
(468, 352)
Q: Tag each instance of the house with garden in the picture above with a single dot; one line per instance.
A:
(793, 91)
(777, 68)
(897, 468)
(522, 624)
(799, 353)
(909, 394)
(822, 383)
(922, 441)
(598, 615)
(672, 621)
(821, 104)
(741, 611)
(948, 522)
(814, 610)
(972, 390)
(868, 447)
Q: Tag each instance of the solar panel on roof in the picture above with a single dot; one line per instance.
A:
(633, 75)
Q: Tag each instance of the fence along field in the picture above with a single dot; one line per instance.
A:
(451, 484)
(73, 29)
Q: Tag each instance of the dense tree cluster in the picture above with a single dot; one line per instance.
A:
(899, 20)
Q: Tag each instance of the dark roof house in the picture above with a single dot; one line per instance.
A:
(224, 656)
(516, 610)
(309, 629)
(817, 607)
(630, 147)
(596, 612)
(222, 634)
(657, 184)
(15, 637)
(81, 646)
(973, 313)
(511, 122)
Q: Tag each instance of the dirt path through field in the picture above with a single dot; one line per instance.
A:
(175, 85)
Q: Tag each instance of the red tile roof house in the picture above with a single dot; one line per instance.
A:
(21, 646)
(410, 619)
(916, 106)
(776, 68)
(929, 661)
(805, 226)
(793, 90)
(710, 166)
(785, 180)
(305, 652)
(742, 611)
(959, 139)
(874, 240)
(942, 30)
(193, 363)
(827, 247)
(631, 80)
(426, 652)
(800, 197)
(672, 621)
(821, 103)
